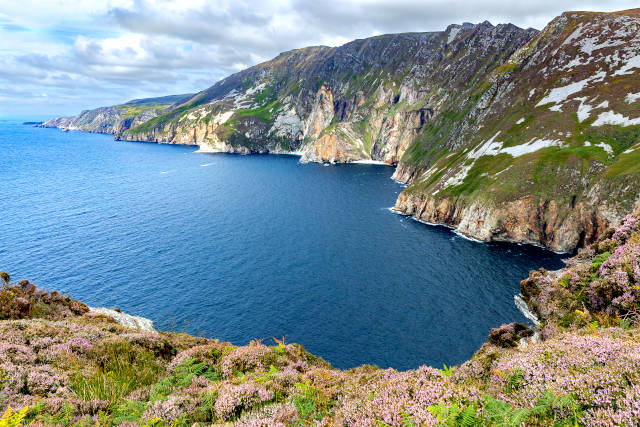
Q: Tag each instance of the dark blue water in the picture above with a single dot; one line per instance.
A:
(238, 247)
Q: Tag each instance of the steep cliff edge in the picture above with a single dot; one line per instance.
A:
(549, 153)
(116, 118)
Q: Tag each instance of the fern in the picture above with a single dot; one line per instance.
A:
(499, 413)
(447, 370)
(10, 418)
(455, 415)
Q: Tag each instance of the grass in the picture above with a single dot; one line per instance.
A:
(124, 370)
(131, 110)
(264, 113)
(181, 377)
(312, 404)
(626, 164)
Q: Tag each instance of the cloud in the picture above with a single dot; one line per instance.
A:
(85, 53)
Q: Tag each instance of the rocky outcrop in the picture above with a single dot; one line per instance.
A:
(134, 322)
(366, 100)
(116, 119)
(546, 155)
(526, 220)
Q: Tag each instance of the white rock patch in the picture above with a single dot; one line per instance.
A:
(287, 124)
(520, 121)
(561, 94)
(613, 118)
(531, 147)
(452, 35)
(633, 62)
(606, 147)
(135, 322)
(493, 148)
(632, 97)
(583, 110)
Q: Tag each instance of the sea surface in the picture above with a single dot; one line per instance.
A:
(242, 247)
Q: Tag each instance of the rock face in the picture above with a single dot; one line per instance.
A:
(135, 322)
(366, 100)
(117, 118)
(548, 153)
(500, 132)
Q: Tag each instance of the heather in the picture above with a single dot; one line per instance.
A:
(580, 366)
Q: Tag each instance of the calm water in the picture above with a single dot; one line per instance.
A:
(237, 247)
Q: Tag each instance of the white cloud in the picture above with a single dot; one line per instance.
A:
(89, 53)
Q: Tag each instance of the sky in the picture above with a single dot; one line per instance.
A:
(59, 57)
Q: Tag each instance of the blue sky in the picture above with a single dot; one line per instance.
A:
(60, 57)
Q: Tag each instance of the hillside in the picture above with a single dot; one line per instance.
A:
(501, 133)
(63, 365)
(364, 100)
(549, 154)
(118, 117)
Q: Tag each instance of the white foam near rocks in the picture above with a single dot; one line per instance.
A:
(524, 309)
(369, 162)
(135, 322)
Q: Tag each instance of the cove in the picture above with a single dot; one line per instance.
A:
(243, 247)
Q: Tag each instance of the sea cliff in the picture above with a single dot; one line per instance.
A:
(63, 364)
(501, 132)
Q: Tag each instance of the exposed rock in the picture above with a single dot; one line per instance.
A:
(135, 322)
(510, 335)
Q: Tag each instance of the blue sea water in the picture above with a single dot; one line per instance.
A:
(242, 247)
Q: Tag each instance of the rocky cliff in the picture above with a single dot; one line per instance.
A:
(548, 153)
(116, 118)
(365, 100)
(502, 133)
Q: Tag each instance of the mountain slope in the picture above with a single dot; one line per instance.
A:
(501, 133)
(118, 117)
(549, 155)
(365, 100)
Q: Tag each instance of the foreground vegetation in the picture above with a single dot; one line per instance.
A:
(61, 364)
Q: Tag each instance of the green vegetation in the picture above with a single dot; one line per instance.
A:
(124, 370)
(130, 110)
(264, 113)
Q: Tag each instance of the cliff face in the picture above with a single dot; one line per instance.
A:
(116, 118)
(549, 152)
(500, 132)
(366, 100)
